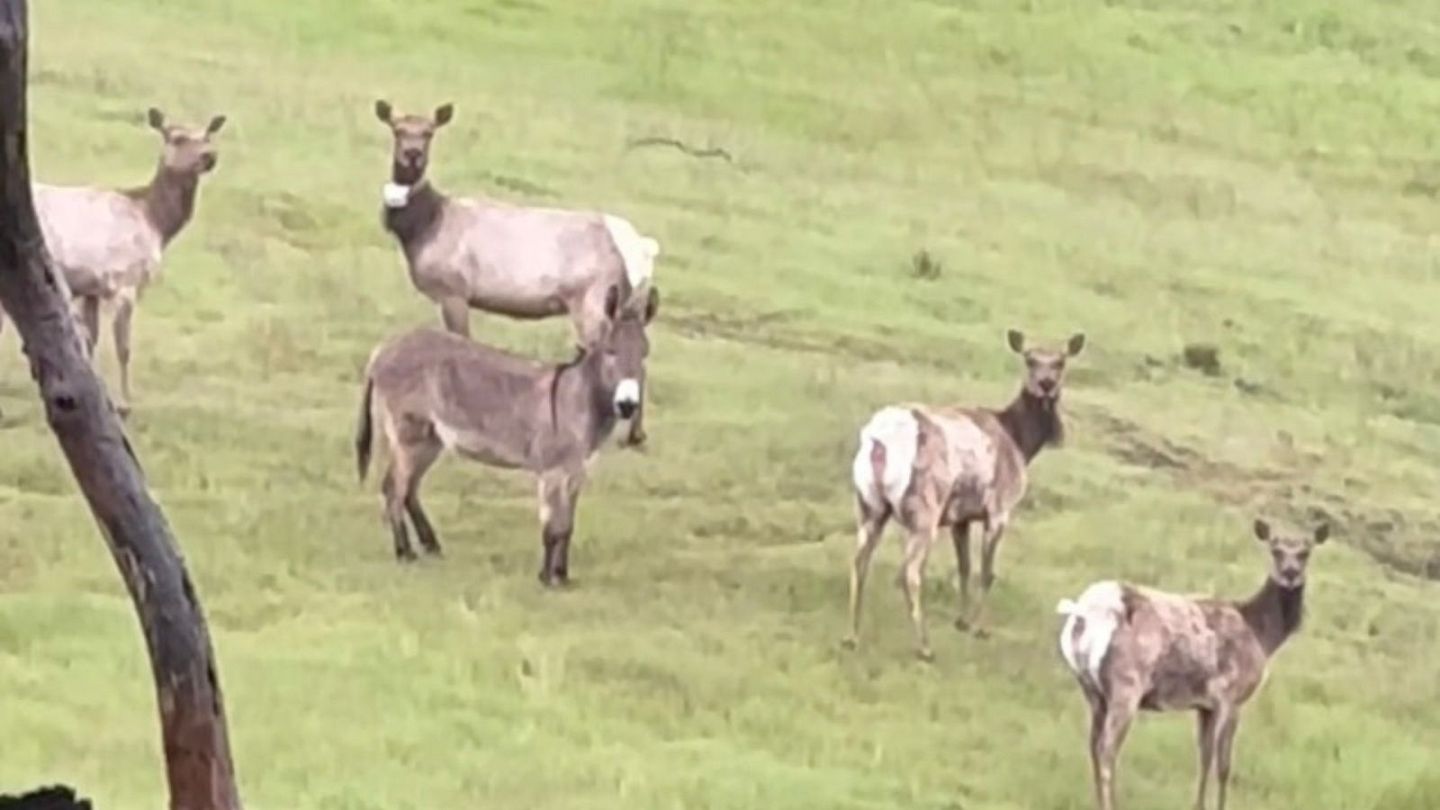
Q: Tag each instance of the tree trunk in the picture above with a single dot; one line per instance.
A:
(192, 714)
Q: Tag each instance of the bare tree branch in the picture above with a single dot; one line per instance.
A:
(192, 714)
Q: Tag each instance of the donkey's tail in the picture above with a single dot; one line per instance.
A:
(365, 430)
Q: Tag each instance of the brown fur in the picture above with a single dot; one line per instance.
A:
(1177, 653)
(969, 467)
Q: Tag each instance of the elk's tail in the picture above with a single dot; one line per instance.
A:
(636, 250)
(365, 430)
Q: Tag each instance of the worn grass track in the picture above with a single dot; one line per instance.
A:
(1260, 178)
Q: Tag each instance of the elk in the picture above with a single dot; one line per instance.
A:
(930, 467)
(107, 244)
(432, 391)
(522, 262)
(1133, 648)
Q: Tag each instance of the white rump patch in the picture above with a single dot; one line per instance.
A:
(897, 430)
(638, 252)
(395, 195)
(1101, 608)
(627, 392)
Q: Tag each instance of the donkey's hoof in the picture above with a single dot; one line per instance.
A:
(980, 633)
(962, 624)
(404, 557)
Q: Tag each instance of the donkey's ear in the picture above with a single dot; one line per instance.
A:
(1262, 530)
(1016, 339)
(612, 302)
(383, 111)
(652, 304)
(1322, 533)
(1076, 344)
(156, 119)
(443, 114)
(216, 124)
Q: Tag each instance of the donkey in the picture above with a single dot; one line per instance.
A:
(107, 244)
(930, 467)
(433, 390)
(526, 263)
(1133, 648)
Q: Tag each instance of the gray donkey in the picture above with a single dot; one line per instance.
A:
(107, 244)
(433, 391)
(526, 263)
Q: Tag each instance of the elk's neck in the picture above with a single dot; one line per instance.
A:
(1032, 422)
(414, 221)
(169, 200)
(1274, 614)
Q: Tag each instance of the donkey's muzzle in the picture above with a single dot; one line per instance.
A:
(627, 398)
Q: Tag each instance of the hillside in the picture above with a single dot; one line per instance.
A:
(1262, 178)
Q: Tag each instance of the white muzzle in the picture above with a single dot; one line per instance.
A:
(395, 195)
(627, 396)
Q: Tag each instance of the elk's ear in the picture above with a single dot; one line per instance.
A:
(1322, 533)
(156, 119)
(1262, 530)
(652, 304)
(1016, 339)
(383, 111)
(216, 124)
(1076, 344)
(612, 302)
(443, 114)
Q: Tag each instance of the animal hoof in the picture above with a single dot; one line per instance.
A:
(123, 410)
(925, 654)
(434, 551)
(962, 624)
(849, 643)
(406, 556)
(980, 633)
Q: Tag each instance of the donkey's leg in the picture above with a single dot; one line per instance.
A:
(960, 535)
(391, 493)
(557, 521)
(917, 548)
(1226, 723)
(455, 312)
(423, 455)
(994, 531)
(870, 527)
(1205, 739)
(124, 311)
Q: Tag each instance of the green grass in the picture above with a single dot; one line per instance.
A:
(1260, 177)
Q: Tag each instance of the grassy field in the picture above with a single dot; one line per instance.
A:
(1260, 177)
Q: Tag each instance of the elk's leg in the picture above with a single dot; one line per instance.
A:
(421, 459)
(917, 549)
(1226, 722)
(88, 314)
(871, 526)
(960, 534)
(455, 312)
(391, 491)
(1205, 739)
(1097, 729)
(1119, 713)
(124, 312)
(994, 530)
(558, 490)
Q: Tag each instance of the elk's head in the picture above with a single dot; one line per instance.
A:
(1045, 368)
(1289, 554)
(413, 134)
(186, 150)
(624, 349)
